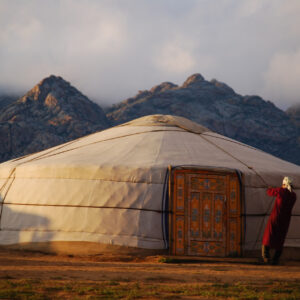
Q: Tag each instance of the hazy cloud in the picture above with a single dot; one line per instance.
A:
(175, 56)
(283, 75)
(110, 49)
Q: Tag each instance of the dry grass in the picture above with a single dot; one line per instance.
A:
(66, 289)
(37, 276)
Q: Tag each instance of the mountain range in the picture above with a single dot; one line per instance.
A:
(55, 112)
(51, 113)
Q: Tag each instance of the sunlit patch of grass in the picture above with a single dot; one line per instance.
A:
(226, 290)
(113, 289)
(20, 289)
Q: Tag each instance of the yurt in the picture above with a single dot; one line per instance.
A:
(159, 183)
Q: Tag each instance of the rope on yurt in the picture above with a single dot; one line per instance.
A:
(46, 154)
(228, 153)
(12, 173)
(207, 140)
(87, 206)
(265, 184)
(164, 209)
(105, 140)
(262, 179)
(231, 141)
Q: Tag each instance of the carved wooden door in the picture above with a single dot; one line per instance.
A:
(206, 219)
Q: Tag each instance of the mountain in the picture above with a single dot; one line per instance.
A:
(54, 112)
(5, 100)
(294, 113)
(248, 119)
(51, 113)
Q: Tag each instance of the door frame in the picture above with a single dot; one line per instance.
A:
(234, 219)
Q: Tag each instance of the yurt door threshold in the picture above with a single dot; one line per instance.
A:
(205, 218)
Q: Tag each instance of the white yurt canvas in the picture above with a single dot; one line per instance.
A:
(111, 187)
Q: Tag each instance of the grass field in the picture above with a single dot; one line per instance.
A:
(66, 289)
(39, 276)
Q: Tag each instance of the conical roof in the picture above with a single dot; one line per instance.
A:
(169, 121)
(141, 150)
(137, 150)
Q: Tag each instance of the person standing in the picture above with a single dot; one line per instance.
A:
(279, 220)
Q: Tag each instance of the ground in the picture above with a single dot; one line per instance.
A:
(27, 275)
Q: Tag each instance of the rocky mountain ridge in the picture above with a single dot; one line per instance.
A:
(249, 119)
(51, 113)
(54, 112)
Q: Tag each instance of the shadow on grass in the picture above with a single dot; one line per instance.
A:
(199, 260)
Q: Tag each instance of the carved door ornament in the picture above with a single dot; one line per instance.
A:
(205, 213)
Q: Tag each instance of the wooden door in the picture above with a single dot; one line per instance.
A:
(206, 218)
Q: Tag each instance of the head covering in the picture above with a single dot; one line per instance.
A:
(287, 182)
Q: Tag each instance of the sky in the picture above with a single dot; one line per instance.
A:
(111, 49)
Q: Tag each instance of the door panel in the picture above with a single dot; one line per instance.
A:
(219, 220)
(206, 229)
(206, 248)
(203, 221)
(180, 235)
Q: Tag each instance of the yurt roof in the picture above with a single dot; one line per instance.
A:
(141, 150)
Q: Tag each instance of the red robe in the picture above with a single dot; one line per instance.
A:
(279, 220)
